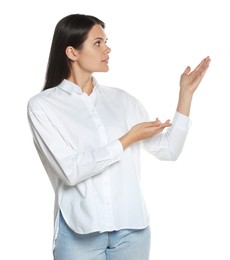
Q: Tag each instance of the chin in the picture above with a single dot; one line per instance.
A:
(107, 69)
(104, 70)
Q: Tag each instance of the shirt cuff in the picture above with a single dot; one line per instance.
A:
(112, 152)
(181, 121)
(116, 148)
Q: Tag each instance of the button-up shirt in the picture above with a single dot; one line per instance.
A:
(96, 182)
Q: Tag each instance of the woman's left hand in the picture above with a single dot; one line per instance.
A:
(189, 81)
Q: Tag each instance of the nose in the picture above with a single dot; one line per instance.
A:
(107, 49)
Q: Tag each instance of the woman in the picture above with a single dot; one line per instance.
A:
(89, 136)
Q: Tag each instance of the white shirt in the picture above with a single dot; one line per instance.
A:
(96, 182)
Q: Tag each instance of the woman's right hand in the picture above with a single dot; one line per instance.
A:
(143, 131)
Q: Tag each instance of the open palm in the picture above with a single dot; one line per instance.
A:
(190, 80)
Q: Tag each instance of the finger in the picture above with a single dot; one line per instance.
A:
(203, 63)
(152, 124)
(204, 71)
(166, 125)
(167, 121)
(163, 126)
(186, 71)
(157, 124)
(206, 65)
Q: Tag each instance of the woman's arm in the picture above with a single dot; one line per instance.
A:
(143, 131)
(60, 158)
(168, 146)
(189, 82)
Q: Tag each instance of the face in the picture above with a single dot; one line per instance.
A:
(94, 55)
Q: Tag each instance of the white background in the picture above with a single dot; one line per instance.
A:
(152, 42)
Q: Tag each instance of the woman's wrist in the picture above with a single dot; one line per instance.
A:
(126, 140)
(184, 103)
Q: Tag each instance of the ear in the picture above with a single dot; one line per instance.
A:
(71, 53)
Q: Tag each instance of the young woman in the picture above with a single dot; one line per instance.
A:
(88, 137)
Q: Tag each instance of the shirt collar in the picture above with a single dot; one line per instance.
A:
(71, 87)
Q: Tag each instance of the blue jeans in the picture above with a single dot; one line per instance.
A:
(127, 244)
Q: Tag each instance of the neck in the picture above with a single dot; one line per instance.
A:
(85, 83)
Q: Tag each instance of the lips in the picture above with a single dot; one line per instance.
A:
(106, 60)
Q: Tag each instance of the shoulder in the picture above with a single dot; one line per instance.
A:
(34, 103)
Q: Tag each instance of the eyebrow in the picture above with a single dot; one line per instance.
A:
(100, 38)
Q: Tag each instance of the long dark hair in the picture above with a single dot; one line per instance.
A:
(71, 30)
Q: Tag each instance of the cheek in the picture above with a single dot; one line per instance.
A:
(89, 65)
(88, 60)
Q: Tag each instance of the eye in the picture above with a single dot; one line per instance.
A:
(98, 43)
